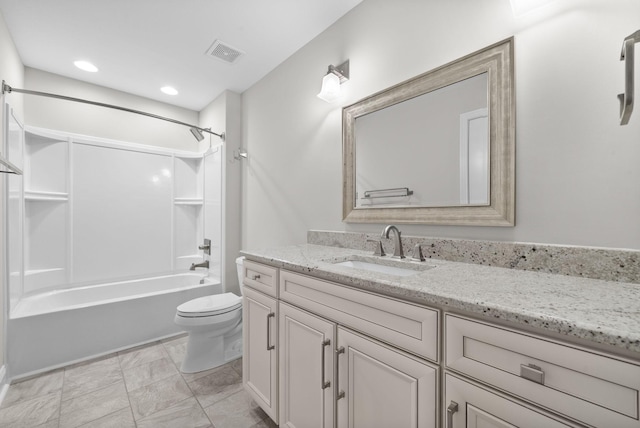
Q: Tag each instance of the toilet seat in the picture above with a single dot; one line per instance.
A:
(208, 306)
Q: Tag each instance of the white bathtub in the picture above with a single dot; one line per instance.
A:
(60, 327)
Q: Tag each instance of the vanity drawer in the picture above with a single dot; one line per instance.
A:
(404, 325)
(261, 277)
(588, 386)
(468, 404)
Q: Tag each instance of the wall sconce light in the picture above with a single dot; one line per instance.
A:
(332, 80)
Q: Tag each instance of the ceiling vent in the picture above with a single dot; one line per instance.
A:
(224, 52)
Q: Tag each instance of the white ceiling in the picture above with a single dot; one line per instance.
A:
(142, 45)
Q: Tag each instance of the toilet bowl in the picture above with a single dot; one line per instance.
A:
(214, 324)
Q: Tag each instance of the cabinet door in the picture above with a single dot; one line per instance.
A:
(260, 355)
(306, 369)
(382, 386)
(468, 405)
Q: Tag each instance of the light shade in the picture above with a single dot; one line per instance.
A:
(330, 88)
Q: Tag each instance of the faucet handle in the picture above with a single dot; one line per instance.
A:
(206, 246)
(379, 251)
(417, 253)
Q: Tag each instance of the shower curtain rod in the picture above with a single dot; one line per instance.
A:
(8, 89)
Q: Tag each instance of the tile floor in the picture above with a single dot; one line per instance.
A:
(138, 387)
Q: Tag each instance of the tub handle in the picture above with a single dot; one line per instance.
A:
(206, 246)
(269, 346)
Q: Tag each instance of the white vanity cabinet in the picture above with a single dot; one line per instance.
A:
(341, 355)
(260, 336)
(357, 359)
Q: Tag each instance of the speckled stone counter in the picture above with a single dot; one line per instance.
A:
(589, 262)
(603, 312)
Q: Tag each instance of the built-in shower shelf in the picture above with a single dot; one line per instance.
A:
(195, 156)
(190, 256)
(188, 201)
(34, 272)
(46, 196)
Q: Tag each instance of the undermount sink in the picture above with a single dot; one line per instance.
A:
(384, 265)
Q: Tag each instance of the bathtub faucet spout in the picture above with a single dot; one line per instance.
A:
(204, 264)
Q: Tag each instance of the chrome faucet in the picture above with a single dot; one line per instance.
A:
(397, 250)
(204, 264)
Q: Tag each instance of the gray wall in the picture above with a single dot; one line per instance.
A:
(577, 170)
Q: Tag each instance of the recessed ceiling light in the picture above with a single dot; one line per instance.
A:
(86, 66)
(169, 90)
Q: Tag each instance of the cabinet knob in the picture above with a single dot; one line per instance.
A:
(255, 277)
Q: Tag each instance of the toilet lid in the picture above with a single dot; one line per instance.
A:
(210, 305)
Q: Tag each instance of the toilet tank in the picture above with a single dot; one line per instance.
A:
(239, 268)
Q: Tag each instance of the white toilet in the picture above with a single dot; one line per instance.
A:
(214, 324)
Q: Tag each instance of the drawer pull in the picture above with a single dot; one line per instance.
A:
(269, 346)
(255, 277)
(453, 408)
(340, 392)
(532, 373)
(324, 384)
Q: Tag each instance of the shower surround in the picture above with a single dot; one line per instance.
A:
(99, 222)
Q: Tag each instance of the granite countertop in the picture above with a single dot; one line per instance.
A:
(602, 312)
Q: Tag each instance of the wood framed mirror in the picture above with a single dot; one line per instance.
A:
(436, 149)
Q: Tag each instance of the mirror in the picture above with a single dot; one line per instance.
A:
(436, 149)
(434, 162)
